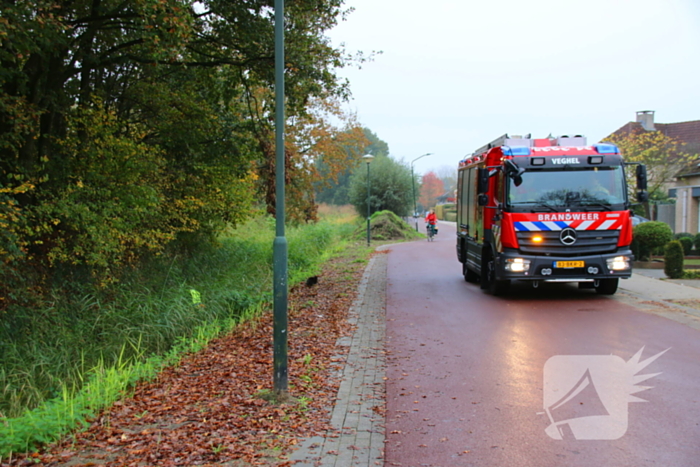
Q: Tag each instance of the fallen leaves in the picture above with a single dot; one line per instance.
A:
(208, 411)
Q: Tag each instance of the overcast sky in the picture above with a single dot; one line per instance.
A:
(456, 74)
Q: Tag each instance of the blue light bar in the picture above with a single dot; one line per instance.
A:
(606, 148)
(516, 151)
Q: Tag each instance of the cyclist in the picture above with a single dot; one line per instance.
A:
(431, 221)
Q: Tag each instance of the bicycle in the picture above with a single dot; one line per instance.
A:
(430, 230)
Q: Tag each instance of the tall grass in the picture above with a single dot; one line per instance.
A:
(82, 350)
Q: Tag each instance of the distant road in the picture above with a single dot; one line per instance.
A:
(466, 372)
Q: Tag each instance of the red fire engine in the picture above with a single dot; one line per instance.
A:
(545, 210)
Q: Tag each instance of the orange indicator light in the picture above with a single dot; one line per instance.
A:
(537, 239)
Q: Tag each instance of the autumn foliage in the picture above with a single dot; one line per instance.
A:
(127, 128)
(431, 188)
(664, 157)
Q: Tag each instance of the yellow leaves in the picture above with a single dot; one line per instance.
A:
(664, 156)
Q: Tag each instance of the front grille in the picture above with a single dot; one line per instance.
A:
(588, 242)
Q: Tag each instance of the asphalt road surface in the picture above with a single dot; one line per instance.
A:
(469, 375)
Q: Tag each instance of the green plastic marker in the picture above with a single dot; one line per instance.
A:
(196, 297)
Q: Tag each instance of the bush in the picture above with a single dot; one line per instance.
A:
(696, 241)
(680, 235)
(687, 243)
(673, 260)
(446, 212)
(649, 236)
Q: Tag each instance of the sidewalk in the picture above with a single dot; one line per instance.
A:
(357, 438)
(653, 284)
(652, 292)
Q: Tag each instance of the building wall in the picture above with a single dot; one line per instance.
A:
(687, 205)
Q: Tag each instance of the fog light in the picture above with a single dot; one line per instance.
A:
(517, 265)
(618, 263)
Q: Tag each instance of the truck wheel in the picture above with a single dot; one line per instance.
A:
(495, 287)
(607, 286)
(469, 275)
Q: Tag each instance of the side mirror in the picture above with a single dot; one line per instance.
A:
(641, 177)
(642, 196)
(514, 172)
(482, 183)
(482, 199)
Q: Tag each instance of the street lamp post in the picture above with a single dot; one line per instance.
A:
(413, 181)
(368, 158)
(279, 247)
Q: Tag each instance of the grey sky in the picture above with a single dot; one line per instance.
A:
(454, 75)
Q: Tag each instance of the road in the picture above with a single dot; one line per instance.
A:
(466, 373)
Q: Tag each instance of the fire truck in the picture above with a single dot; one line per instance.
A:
(546, 210)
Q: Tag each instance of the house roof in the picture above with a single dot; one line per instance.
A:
(687, 133)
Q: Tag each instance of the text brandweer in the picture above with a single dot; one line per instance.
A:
(567, 216)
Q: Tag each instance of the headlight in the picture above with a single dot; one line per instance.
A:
(618, 263)
(517, 265)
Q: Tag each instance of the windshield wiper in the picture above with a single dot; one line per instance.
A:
(537, 204)
(607, 207)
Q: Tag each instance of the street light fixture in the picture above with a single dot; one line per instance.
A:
(413, 181)
(368, 158)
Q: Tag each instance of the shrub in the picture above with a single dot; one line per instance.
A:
(696, 241)
(673, 260)
(680, 235)
(687, 243)
(649, 236)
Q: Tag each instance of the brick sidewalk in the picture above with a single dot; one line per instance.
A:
(357, 438)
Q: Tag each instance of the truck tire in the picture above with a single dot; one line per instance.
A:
(469, 275)
(607, 286)
(488, 278)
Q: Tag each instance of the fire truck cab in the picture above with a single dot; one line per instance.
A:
(545, 210)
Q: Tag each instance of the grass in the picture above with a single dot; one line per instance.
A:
(84, 349)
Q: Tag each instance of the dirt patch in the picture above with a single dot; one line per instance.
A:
(690, 303)
(386, 226)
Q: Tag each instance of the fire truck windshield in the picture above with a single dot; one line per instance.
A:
(591, 189)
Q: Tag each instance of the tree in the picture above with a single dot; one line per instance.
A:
(390, 187)
(448, 175)
(663, 156)
(377, 147)
(127, 126)
(318, 152)
(338, 192)
(431, 188)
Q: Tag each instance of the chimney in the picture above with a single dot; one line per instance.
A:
(646, 118)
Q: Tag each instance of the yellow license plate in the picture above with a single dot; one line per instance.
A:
(569, 264)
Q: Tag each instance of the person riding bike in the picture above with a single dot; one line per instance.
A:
(431, 221)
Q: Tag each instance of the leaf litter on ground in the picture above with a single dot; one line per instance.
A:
(210, 410)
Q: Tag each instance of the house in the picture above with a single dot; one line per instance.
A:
(684, 215)
(447, 198)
